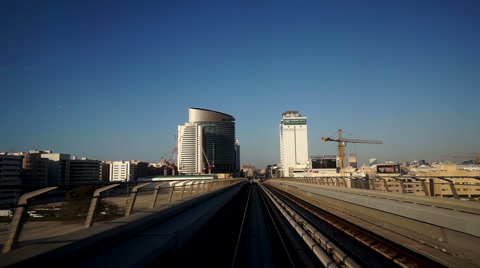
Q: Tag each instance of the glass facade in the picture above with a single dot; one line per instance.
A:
(218, 139)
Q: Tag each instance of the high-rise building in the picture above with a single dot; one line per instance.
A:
(190, 157)
(237, 154)
(207, 143)
(293, 143)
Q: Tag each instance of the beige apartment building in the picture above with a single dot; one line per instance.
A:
(438, 179)
(466, 181)
(249, 170)
(392, 184)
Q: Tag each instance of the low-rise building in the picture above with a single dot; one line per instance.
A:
(249, 170)
(35, 169)
(58, 167)
(141, 169)
(10, 169)
(105, 171)
(121, 171)
(466, 181)
(10, 174)
(85, 170)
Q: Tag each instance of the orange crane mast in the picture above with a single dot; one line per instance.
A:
(343, 142)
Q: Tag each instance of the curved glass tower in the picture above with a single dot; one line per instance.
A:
(217, 144)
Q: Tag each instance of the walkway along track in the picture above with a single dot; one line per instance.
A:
(364, 244)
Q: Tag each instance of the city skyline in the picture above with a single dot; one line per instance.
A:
(113, 81)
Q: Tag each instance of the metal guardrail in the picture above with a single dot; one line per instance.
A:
(373, 183)
(35, 219)
(19, 218)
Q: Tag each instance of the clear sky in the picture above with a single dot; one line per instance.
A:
(112, 80)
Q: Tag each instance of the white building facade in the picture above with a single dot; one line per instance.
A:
(190, 149)
(237, 153)
(121, 171)
(293, 144)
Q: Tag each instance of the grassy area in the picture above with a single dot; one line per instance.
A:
(5, 219)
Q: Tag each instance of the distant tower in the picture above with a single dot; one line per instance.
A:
(293, 142)
(237, 155)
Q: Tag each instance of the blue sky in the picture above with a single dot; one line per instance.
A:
(112, 80)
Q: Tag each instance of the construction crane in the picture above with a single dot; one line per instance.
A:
(208, 162)
(343, 142)
(477, 158)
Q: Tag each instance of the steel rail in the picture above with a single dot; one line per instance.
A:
(389, 249)
(322, 256)
(276, 228)
(241, 227)
(327, 245)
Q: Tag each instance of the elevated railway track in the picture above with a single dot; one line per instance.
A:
(274, 224)
(411, 231)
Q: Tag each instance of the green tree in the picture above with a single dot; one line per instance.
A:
(77, 202)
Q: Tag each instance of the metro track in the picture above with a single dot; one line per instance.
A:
(266, 227)
(260, 241)
(367, 248)
(248, 232)
(250, 225)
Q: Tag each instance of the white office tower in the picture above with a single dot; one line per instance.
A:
(237, 154)
(190, 149)
(293, 143)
